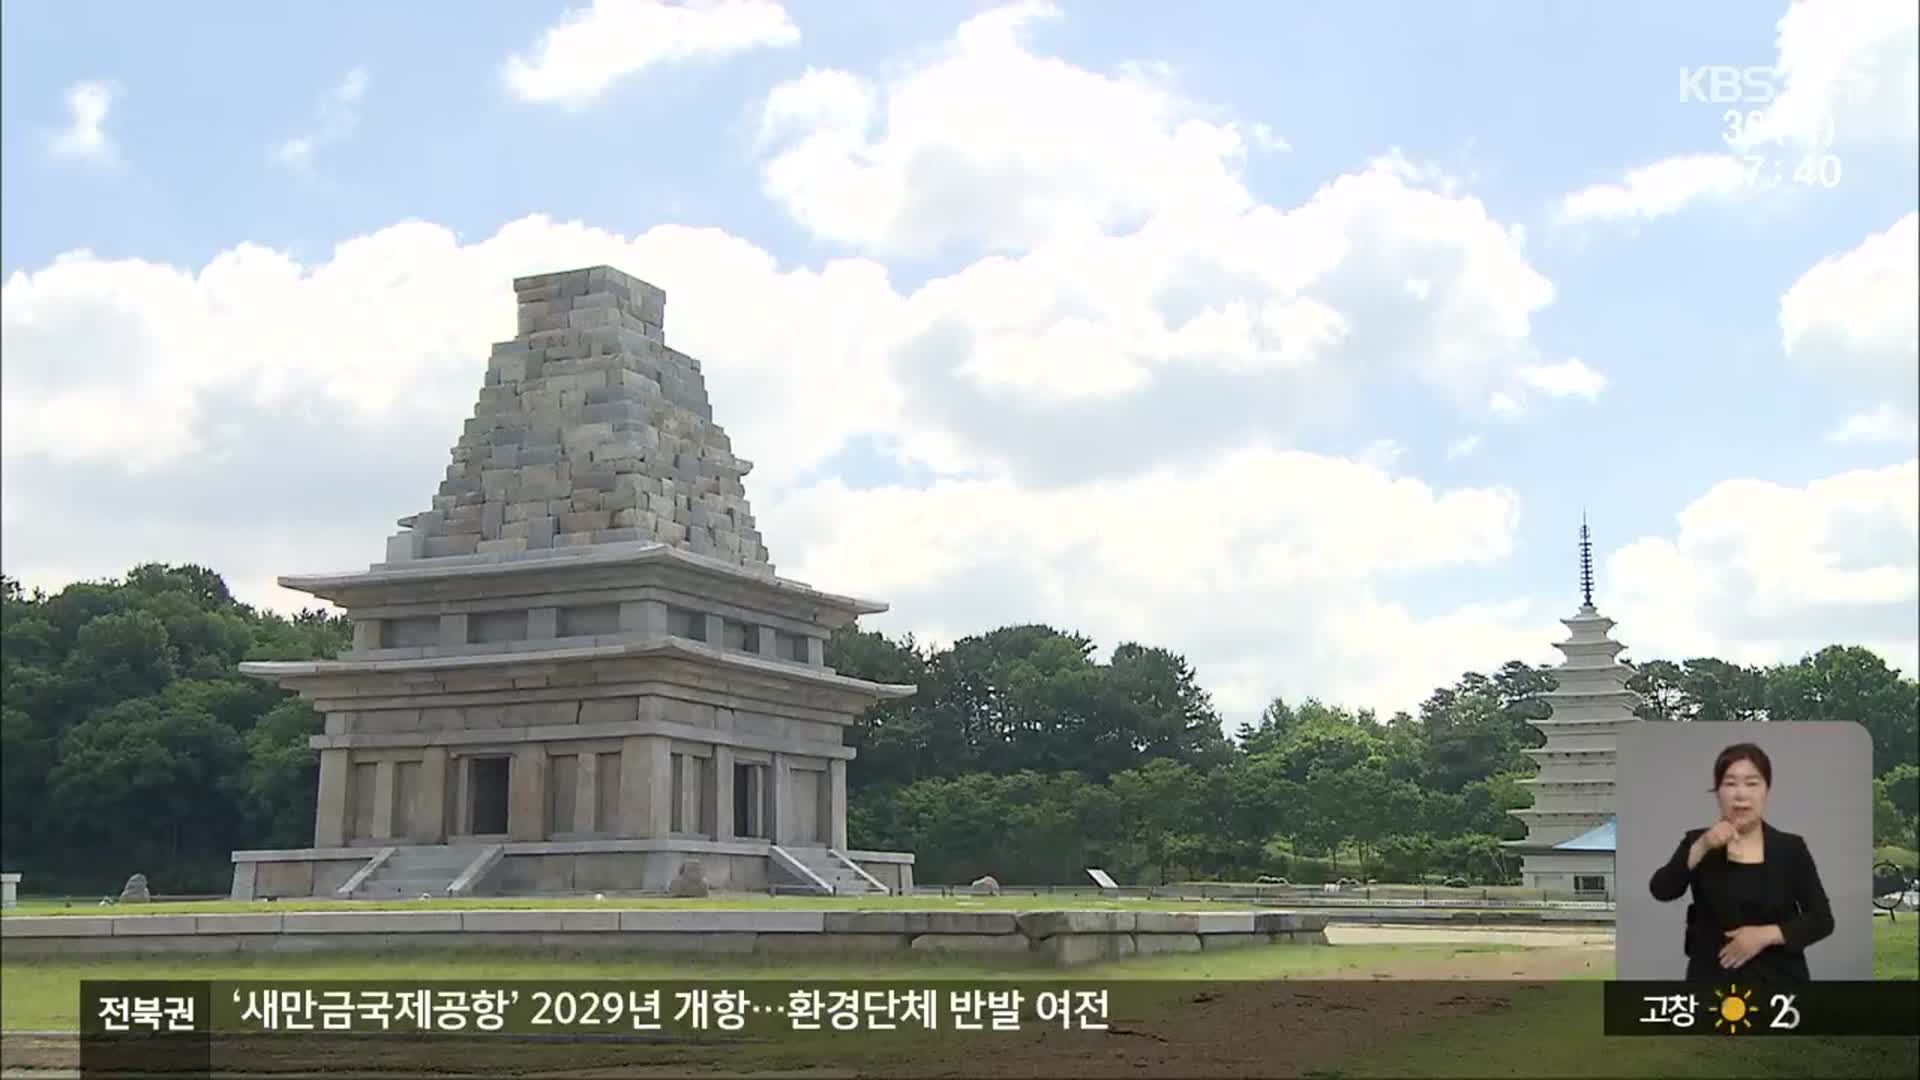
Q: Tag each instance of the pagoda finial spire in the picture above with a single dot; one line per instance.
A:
(1586, 562)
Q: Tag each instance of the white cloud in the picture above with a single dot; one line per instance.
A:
(590, 49)
(1569, 378)
(1847, 72)
(335, 120)
(1267, 593)
(1854, 316)
(1887, 423)
(85, 136)
(1660, 189)
(1759, 572)
(992, 144)
(1502, 403)
(1463, 447)
(328, 394)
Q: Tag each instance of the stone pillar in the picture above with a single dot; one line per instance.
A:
(586, 798)
(836, 808)
(780, 829)
(430, 806)
(770, 643)
(647, 617)
(527, 795)
(543, 624)
(716, 631)
(383, 800)
(646, 786)
(817, 651)
(330, 809)
(722, 796)
(690, 792)
(453, 629)
(367, 633)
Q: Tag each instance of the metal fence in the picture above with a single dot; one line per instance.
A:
(1438, 896)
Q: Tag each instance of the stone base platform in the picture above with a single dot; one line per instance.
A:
(553, 868)
(1050, 938)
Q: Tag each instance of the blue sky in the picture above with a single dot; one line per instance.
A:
(889, 430)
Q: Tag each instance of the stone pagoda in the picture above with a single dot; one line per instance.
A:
(577, 671)
(1570, 826)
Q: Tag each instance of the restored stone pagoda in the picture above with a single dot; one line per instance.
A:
(577, 671)
(1569, 846)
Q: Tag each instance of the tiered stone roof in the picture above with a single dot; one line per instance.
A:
(590, 430)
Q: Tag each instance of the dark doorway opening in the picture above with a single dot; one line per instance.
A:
(746, 822)
(487, 779)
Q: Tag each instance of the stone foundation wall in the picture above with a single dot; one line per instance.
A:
(1053, 938)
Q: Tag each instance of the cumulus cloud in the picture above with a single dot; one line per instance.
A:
(1854, 316)
(1268, 588)
(1569, 378)
(580, 58)
(1659, 190)
(85, 137)
(990, 143)
(1886, 423)
(1847, 72)
(338, 114)
(1463, 447)
(267, 417)
(1760, 572)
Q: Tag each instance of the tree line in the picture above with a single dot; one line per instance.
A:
(130, 742)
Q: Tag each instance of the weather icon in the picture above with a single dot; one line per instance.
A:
(1734, 1010)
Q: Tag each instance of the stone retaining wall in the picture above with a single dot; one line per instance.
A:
(1055, 937)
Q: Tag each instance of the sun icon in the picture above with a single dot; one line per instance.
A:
(1734, 1010)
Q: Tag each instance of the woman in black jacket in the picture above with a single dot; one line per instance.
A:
(1757, 899)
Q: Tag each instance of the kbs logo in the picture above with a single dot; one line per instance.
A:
(1726, 84)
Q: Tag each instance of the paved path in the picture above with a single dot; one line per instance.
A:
(1360, 934)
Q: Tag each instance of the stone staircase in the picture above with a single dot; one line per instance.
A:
(832, 869)
(411, 871)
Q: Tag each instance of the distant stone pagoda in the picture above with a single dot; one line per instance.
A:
(577, 671)
(1570, 826)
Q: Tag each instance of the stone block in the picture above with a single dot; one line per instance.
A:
(461, 544)
(238, 924)
(735, 943)
(501, 547)
(830, 944)
(1233, 941)
(371, 922)
(972, 943)
(589, 921)
(611, 871)
(586, 522)
(1045, 924)
(540, 714)
(516, 921)
(283, 879)
(1156, 944)
(1072, 950)
(56, 926)
(1272, 922)
(610, 711)
(1184, 922)
(749, 922)
(146, 925)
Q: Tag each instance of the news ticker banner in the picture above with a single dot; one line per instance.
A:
(759, 1008)
(1740, 1008)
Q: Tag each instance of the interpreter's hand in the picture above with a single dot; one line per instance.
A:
(1746, 943)
(1719, 836)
